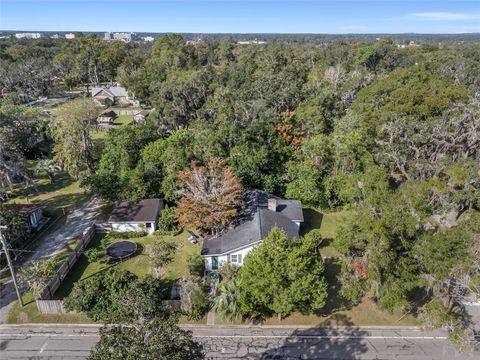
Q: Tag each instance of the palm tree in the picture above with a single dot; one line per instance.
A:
(226, 303)
(50, 167)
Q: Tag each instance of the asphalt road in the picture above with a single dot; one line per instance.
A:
(220, 342)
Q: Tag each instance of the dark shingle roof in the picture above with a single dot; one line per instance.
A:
(139, 211)
(256, 222)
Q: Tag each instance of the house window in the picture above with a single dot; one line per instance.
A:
(239, 258)
(149, 225)
(233, 258)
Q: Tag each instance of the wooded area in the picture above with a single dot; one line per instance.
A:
(390, 134)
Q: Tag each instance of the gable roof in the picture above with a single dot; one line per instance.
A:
(113, 91)
(255, 222)
(135, 211)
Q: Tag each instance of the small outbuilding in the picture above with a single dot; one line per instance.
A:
(33, 214)
(141, 116)
(136, 215)
(105, 119)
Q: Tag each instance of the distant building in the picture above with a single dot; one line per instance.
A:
(252, 42)
(69, 36)
(54, 36)
(28, 35)
(105, 120)
(122, 36)
(113, 95)
(148, 38)
(140, 116)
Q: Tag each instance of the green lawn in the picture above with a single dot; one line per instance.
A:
(57, 197)
(327, 223)
(139, 264)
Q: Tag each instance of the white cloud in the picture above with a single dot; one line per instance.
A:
(445, 16)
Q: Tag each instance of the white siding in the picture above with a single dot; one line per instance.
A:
(126, 227)
(222, 259)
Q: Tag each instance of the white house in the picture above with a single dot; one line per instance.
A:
(263, 212)
(136, 215)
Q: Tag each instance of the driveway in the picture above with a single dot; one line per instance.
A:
(76, 223)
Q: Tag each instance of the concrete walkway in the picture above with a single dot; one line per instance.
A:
(75, 224)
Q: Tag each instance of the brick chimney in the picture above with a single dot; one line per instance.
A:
(272, 204)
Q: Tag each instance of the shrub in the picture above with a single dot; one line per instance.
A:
(93, 255)
(193, 299)
(200, 305)
(196, 265)
(228, 272)
(125, 235)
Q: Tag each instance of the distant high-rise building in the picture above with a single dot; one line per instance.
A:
(122, 36)
(148, 38)
(28, 35)
(69, 36)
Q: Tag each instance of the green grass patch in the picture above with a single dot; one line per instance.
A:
(123, 119)
(57, 197)
(30, 314)
(328, 223)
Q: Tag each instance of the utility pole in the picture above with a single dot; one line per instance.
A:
(10, 265)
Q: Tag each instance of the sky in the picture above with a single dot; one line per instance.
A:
(234, 16)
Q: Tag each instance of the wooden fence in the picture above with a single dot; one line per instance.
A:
(63, 271)
(50, 306)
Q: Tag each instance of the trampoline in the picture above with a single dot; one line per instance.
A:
(120, 250)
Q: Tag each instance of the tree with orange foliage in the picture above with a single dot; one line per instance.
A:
(210, 196)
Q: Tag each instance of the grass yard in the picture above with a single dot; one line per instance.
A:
(57, 197)
(327, 223)
(139, 264)
(30, 314)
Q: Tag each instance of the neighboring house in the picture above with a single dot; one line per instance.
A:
(105, 119)
(263, 212)
(136, 215)
(33, 212)
(140, 116)
(112, 95)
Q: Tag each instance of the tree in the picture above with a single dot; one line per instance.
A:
(210, 196)
(20, 133)
(48, 166)
(282, 276)
(226, 303)
(118, 296)
(38, 274)
(151, 340)
(161, 253)
(71, 130)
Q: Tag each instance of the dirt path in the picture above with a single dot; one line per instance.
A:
(75, 224)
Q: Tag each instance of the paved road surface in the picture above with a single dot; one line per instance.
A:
(75, 224)
(221, 342)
